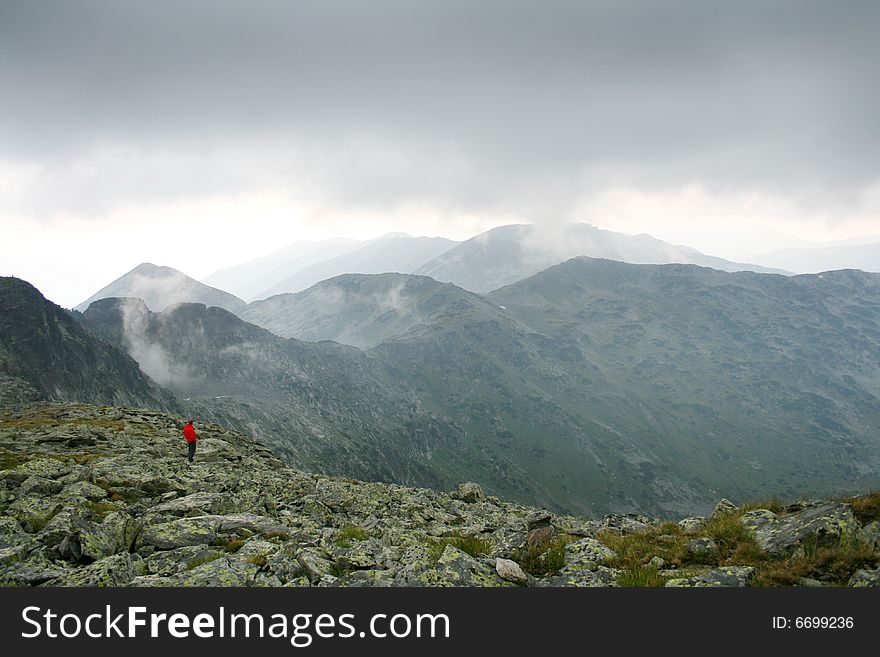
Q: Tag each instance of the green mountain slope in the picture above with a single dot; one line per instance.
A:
(361, 310)
(43, 345)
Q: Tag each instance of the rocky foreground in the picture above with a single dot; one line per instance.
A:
(103, 496)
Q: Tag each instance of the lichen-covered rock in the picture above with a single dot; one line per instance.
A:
(821, 525)
(468, 492)
(627, 523)
(203, 503)
(123, 508)
(538, 520)
(11, 532)
(724, 506)
(36, 569)
(575, 576)
(457, 568)
(588, 550)
(43, 467)
(314, 565)
(83, 490)
(702, 547)
(865, 578)
(37, 485)
(117, 570)
(729, 576)
(692, 526)
(201, 530)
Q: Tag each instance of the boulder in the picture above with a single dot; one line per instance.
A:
(468, 492)
(588, 550)
(627, 523)
(43, 467)
(702, 547)
(83, 490)
(201, 530)
(510, 571)
(117, 570)
(204, 503)
(457, 568)
(817, 526)
(37, 485)
(724, 506)
(865, 578)
(574, 576)
(538, 520)
(729, 576)
(692, 526)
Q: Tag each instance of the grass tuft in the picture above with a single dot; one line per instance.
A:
(472, 545)
(543, 559)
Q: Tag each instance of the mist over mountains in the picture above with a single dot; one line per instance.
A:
(160, 287)
(498, 257)
(590, 386)
(504, 255)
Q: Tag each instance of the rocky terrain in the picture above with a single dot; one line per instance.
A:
(103, 496)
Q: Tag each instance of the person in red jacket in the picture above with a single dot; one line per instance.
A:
(189, 434)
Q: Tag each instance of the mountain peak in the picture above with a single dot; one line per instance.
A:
(161, 286)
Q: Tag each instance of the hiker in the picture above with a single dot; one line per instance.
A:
(189, 434)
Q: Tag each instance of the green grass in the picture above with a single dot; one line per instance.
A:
(257, 560)
(642, 577)
(198, 561)
(833, 564)
(543, 559)
(472, 545)
(345, 535)
(634, 551)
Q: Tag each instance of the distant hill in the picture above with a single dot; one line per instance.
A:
(507, 254)
(826, 258)
(361, 310)
(249, 279)
(396, 252)
(160, 287)
(44, 346)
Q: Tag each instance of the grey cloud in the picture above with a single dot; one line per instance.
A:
(465, 105)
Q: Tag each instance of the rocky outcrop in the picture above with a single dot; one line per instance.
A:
(104, 496)
(809, 524)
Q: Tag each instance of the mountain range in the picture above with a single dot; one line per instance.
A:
(160, 287)
(592, 386)
(825, 258)
(507, 254)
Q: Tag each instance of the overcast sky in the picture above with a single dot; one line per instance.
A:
(198, 134)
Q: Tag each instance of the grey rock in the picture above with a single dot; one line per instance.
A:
(538, 520)
(117, 570)
(456, 568)
(510, 571)
(724, 506)
(815, 526)
(468, 492)
(37, 485)
(865, 578)
(702, 547)
(728, 576)
(692, 526)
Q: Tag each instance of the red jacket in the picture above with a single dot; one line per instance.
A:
(189, 433)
